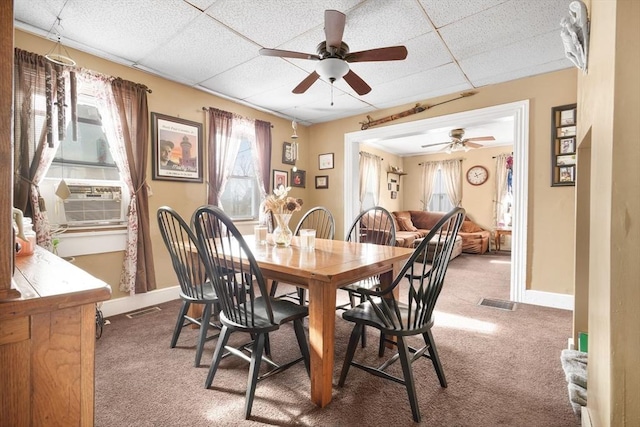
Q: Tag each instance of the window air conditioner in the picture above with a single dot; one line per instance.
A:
(94, 205)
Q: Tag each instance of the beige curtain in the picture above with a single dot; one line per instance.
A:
(370, 169)
(452, 178)
(501, 202)
(429, 170)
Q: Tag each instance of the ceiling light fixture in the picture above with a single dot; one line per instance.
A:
(456, 146)
(332, 69)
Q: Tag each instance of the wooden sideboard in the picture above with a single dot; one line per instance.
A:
(47, 344)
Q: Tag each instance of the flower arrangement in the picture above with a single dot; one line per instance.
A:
(281, 203)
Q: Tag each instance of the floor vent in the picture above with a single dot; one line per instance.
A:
(496, 303)
(143, 312)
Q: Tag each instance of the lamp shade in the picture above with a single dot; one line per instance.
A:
(332, 69)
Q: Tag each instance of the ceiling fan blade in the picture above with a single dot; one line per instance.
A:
(334, 27)
(306, 83)
(393, 53)
(288, 54)
(357, 83)
(437, 143)
(481, 138)
(472, 144)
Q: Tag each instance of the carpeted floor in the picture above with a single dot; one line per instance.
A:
(503, 368)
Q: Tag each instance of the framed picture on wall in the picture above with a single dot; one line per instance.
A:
(288, 153)
(176, 147)
(322, 181)
(325, 161)
(280, 178)
(298, 178)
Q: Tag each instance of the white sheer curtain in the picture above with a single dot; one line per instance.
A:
(429, 170)
(502, 196)
(99, 86)
(370, 172)
(452, 177)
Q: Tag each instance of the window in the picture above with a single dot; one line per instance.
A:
(439, 200)
(241, 196)
(89, 156)
(371, 181)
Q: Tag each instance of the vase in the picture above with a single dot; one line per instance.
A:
(282, 234)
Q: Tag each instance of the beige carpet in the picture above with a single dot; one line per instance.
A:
(503, 368)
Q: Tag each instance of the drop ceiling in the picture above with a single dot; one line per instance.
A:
(453, 46)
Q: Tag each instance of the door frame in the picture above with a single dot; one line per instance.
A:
(519, 110)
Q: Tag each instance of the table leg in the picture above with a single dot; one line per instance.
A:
(322, 319)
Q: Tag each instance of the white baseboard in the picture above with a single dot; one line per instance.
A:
(549, 299)
(136, 302)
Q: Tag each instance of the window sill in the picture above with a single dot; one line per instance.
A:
(88, 242)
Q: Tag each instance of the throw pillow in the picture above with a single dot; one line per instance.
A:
(406, 224)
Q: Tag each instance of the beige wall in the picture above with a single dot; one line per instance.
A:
(551, 209)
(176, 100)
(609, 112)
(551, 219)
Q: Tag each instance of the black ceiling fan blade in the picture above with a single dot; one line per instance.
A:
(306, 83)
(334, 22)
(392, 53)
(359, 85)
(288, 54)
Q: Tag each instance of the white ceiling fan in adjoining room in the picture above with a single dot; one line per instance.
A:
(459, 143)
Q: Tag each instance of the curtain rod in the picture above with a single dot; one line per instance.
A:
(370, 153)
(460, 159)
(493, 157)
(207, 109)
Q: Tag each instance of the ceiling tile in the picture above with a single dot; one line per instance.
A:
(202, 35)
(502, 25)
(443, 12)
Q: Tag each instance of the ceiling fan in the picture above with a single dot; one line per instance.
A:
(459, 143)
(333, 56)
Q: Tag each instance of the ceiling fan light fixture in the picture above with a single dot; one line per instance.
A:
(332, 69)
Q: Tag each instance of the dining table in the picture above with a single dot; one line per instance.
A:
(322, 270)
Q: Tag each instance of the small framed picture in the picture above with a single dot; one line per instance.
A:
(567, 145)
(566, 174)
(394, 194)
(288, 153)
(176, 146)
(325, 161)
(389, 186)
(566, 131)
(280, 178)
(568, 117)
(566, 160)
(298, 178)
(322, 181)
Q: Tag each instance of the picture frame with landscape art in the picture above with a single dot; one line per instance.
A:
(176, 147)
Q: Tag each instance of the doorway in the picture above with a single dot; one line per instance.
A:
(519, 111)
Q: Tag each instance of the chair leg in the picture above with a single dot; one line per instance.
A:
(381, 345)
(254, 370)
(217, 355)
(364, 330)
(407, 372)
(351, 351)
(267, 346)
(274, 288)
(204, 327)
(433, 353)
(302, 296)
(179, 322)
(302, 343)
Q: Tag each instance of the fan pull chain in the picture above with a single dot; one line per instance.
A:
(332, 94)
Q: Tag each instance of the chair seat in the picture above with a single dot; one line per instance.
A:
(283, 312)
(370, 283)
(208, 295)
(365, 314)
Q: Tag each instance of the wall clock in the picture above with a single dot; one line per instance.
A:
(477, 175)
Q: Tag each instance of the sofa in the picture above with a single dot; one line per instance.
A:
(412, 225)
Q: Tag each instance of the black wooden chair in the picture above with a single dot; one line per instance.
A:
(245, 304)
(399, 320)
(374, 225)
(191, 273)
(320, 219)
